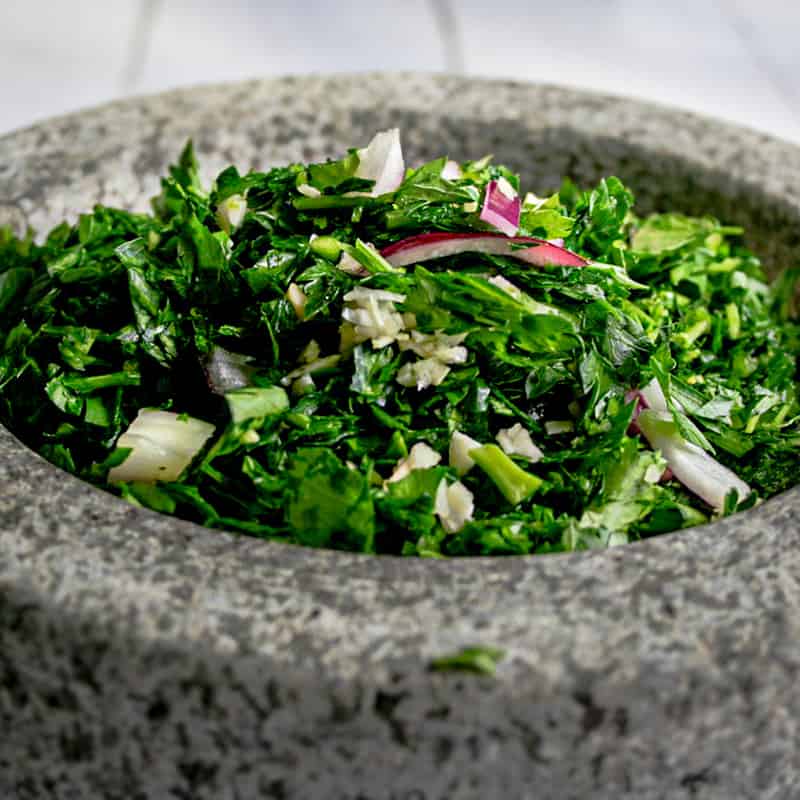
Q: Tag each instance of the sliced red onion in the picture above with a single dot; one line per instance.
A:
(631, 396)
(650, 396)
(635, 394)
(451, 171)
(653, 396)
(352, 267)
(427, 246)
(501, 207)
(382, 161)
(691, 465)
(226, 371)
(162, 445)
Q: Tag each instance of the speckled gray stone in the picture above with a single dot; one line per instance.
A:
(145, 657)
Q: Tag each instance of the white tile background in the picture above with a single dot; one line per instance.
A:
(735, 59)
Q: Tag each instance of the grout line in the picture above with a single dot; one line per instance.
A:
(139, 44)
(761, 60)
(447, 26)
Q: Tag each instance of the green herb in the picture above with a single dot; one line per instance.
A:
(338, 384)
(482, 660)
(514, 483)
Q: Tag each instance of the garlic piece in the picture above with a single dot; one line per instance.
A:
(454, 505)
(373, 315)
(516, 441)
(460, 447)
(231, 211)
(421, 456)
(422, 374)
(297, 297)
(441, 346)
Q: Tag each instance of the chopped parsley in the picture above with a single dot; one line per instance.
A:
(481, 660)
(350, 355)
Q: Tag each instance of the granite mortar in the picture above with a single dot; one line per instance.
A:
(146, 657)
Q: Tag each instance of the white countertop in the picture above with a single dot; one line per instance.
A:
(728, 58)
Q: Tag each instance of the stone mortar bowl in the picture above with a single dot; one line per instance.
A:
(146, 657)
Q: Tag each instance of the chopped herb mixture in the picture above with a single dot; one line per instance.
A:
(425, 361)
